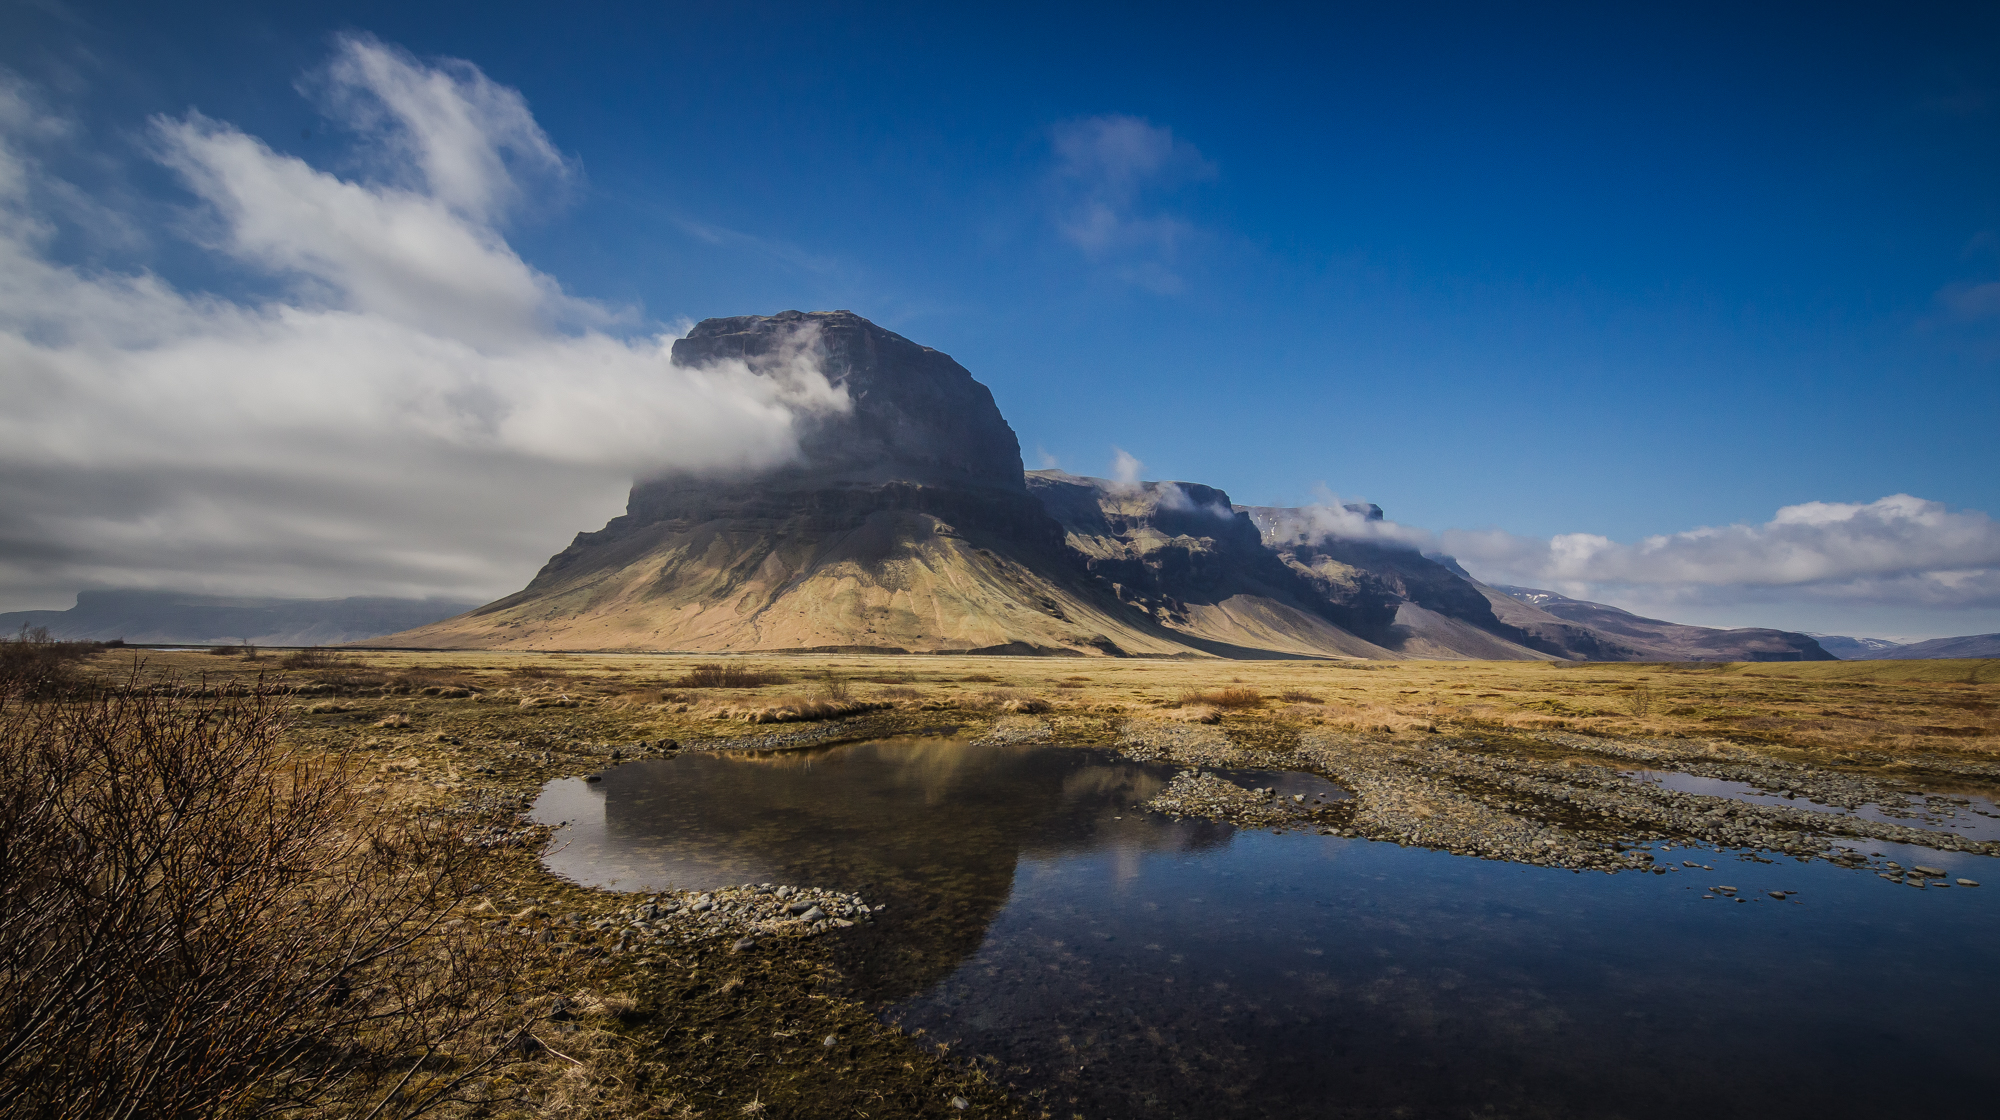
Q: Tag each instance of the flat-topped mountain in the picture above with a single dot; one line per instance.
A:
(907, 524)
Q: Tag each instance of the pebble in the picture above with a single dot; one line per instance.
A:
(743, 944)
(1968, 883)
(1933, 872)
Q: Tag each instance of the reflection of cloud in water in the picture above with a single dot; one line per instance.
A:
(932, 827)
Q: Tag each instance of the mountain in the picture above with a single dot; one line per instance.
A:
(1971, 645)
(907, 524)
(1180, 555)
(1857, 649)
(168, 617)
(1671, 641)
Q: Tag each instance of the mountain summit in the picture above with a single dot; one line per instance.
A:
(906, 524)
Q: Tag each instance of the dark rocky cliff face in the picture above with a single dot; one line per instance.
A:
(1164, 545)
(922, 437)
(918, 416)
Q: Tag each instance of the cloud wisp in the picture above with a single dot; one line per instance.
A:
(1108, 169)
(407, 407)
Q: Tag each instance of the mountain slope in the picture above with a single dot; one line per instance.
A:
(1657, 640)
(1970, 645)
(1856, 649)
(1181, 556)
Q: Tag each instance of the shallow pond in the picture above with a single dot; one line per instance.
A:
(1124, 964)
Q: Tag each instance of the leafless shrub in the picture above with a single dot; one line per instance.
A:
(1298, 696)
(33, 663)
(1640, 702)
(318, 657)
(537, 672)
(898, 692)
(716, 675)
(194, 923)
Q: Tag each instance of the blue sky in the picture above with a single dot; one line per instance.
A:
(1564, 271)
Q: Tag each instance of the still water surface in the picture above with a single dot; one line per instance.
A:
(1126, 964)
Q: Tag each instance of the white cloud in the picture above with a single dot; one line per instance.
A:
(1106, 166)
(1126, 468)
(1896, 552)
(1333, 517)
(411, 409)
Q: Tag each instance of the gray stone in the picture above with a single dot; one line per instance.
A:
(813, 915)
(1967, 883)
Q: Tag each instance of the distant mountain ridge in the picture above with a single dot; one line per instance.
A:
(1970, 645)
(1658, 640)
(1856, 649)
(170, 617)
(908, 524)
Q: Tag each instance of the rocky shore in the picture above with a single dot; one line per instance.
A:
(1551, 799)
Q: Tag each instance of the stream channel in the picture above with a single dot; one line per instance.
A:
(1120, 963)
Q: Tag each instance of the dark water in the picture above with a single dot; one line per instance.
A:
(1128, 965)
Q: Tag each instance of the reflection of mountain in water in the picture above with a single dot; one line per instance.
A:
(933, 828)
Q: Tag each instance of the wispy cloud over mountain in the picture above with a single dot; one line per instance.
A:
(1109, 173)
(405, 406)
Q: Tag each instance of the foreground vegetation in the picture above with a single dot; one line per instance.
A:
(297, 883)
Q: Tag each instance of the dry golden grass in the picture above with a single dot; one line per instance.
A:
(1950, 706)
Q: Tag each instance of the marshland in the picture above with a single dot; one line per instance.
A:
(520, 884)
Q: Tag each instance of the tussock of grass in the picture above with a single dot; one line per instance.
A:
(1224, 698)
(1361, 717)
(1009, 700)
(796, 709)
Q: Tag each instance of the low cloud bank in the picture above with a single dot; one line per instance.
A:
(1899, 551)
(406, 408)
